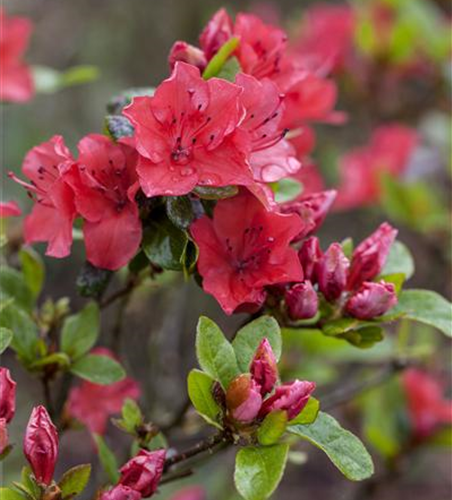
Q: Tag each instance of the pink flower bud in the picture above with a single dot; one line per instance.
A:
(216, 33)
(7, 395)
(143, 472)
(263, 367)
(182, 51)
(302, 301)
(309, 255)
(370, 255)
(41, 445)
(121, 492)
(332, 271)
(312, 210)
(372, 300)
(4, 441)
(291, 397)
(243, 398)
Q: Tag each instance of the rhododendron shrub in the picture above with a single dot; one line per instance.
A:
(207, 174)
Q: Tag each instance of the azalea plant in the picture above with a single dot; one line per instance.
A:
(200, 175)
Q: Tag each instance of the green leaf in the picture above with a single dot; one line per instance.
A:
(399, 260)
(25, 332)
(339, 326)
(286, 190)
(80, 331)
(230, 69)
(29, 481)
(6, 336)
(92, 281)
(215, 193)
(343, 448)
(308, 414)
(98, 369)
(107, 459)
(200, 392)
(13, 285)
(74, 480)
(32, 269)
(164, 245)
(57, 358)
(180, 211)
(131, 415)
(250, 336)
(10, 494)
(365, 337)
(48, 80)
(272, 428)
(258, 471)
(118, 126)
(218, 61)
(215, 354)
(397, 279)
(426, 307)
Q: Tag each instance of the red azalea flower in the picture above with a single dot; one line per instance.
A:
(16, 82)
(105, 184)
(9, 209)
(291, 397)
(389, 151)
(143, 472)
(7, 395)
(54, 212)
(217, 32)
(94, 404)
(326, 37)
(4, 439)
(427, 406)
(184, 134)
(272, 157)
(243, 249)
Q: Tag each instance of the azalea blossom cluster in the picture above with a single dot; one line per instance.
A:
(252, 396)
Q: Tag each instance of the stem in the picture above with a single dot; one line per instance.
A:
(342, 396)
(122, 292)
(48, 396)
(208, 444)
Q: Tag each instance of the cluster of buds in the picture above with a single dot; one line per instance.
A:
(252, 396)
(7, 406)
(139, 478)
(345, 283)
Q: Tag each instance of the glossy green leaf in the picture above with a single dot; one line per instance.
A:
(25, 332)
(180, 211)
(343, 448)
(218, 61)
(426, 307)
(10, 494)
(107, 459)
(131, 415)
(258, 471)
(215, 354)
(92, 281)
(308, 414)
(164, 245)
(13, 285)
(365, 337)
(98, 369)
(6, 336)
(399, 260)
(57, 358)
(74, 480)
(80, 331)
(32, 269)
(272, 428)
(200, 392)
(250, 336)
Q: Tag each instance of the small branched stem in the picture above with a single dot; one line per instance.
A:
(122, 292)
(342, 396)
(211, 445)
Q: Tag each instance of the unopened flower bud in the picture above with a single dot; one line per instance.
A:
(243, 398)
(263, 367)
(121, 492)
(332, 271)
(41, 445)
(217, 32)
(4, 441)
(372, 300)
(143, 472)
(312, 210)
(7, 395)
(309, 255)
(302, 301)
(182, 51)
(291, 397)
(370, 255)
